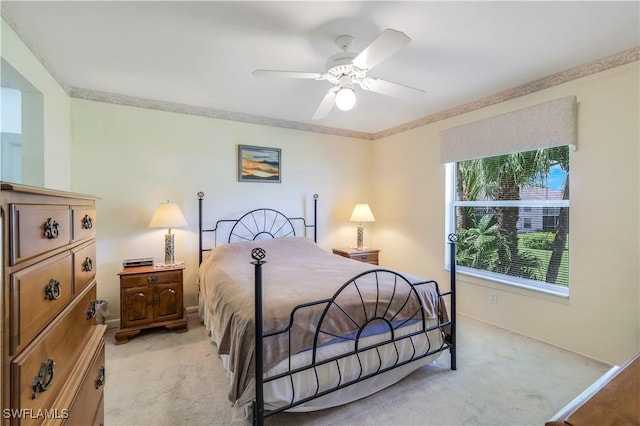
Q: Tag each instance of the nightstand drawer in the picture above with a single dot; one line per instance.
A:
(159, 277)
(367, 257)
(364, 255)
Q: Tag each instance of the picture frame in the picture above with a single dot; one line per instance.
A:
(259, 164)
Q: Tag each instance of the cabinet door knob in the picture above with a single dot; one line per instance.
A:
(152, 279)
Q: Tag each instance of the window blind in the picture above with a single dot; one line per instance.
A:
(545, 125)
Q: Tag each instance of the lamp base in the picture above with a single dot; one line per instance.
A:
(169, 257)
(360, 245)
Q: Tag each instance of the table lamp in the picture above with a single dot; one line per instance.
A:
(168, 215)
(361, 213)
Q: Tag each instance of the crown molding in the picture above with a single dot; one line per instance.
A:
(94, 95)
(593, 67)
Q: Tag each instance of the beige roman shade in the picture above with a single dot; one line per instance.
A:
(545, 125)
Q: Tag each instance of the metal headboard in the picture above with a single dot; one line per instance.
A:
(262, 223)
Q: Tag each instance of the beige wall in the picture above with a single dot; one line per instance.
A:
(601, 318)
(135, 158)
(57, 119)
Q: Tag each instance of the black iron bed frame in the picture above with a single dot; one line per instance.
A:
(264, 221)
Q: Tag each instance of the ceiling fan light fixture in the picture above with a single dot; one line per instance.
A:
(346, 99)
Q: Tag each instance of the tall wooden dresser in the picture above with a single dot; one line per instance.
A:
(53, 366)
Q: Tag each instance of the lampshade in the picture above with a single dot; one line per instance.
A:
(362, 213)
(345, 99)
(168, 215)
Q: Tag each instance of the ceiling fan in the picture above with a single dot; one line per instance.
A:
(346, 70)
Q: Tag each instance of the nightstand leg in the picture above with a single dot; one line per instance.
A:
(123, 337)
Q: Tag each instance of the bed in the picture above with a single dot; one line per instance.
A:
(329, 330)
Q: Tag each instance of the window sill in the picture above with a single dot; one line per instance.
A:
(523, 286)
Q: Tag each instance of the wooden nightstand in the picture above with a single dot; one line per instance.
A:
(150, 297)
(367, 255)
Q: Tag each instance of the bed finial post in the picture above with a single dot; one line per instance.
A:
(452, 247)
(200, 196)
(258, 254)
(315, 218)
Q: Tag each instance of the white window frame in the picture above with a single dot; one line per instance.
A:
(450, 205)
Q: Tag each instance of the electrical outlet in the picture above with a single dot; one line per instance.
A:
(493, 298)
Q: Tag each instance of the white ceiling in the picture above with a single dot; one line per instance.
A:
(202, 53)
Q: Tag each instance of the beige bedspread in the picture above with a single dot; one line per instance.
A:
(297, 271)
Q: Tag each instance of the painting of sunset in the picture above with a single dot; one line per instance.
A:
(258, 164)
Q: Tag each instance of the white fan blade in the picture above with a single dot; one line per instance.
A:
(387, 43)
(326, 104)
(288, 74)
(391, 89)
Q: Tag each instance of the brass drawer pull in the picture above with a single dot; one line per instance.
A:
(53, 290)
(101, 377)
(87, 222)
(152, 279)
(87, 265)
(44, 379)
(91, 310)
(51, 229)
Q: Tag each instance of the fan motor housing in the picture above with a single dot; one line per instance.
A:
(340, 60)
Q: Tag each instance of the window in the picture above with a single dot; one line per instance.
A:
(511, 215)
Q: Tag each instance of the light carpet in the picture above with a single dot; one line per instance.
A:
(166, 378)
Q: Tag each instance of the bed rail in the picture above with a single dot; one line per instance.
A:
(403, 309)
(255, 225)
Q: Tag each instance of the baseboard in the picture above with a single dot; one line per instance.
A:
(115, 322)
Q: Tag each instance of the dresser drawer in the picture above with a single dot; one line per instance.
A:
(144, 279)
(84, 266)
(37, 294)
(87, 409)
(84, 222)
(57, 349)
(37, 229)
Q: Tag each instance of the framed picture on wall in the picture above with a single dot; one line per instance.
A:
(259, 164)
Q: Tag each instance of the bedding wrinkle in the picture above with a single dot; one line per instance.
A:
(297, 271)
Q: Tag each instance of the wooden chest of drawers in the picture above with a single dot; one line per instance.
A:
(52, 348)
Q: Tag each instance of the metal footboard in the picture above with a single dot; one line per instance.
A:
(392, 314)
